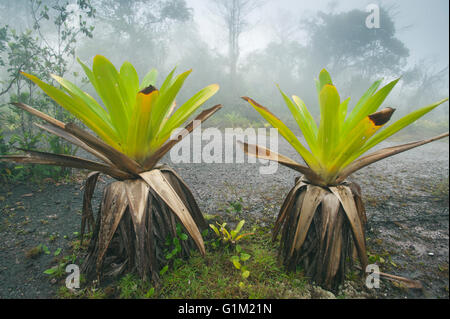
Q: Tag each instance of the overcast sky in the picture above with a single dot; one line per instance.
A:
(422, 25)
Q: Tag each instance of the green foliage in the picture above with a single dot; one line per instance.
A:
(57, 252)
(130, 286)
(5, 168)
(235, 206)
(267, 279)
(210, 276)
(173, 252)
(238, 262)
(44, 249)
(59, 270)
(3, 40)
(338, 50)
(32, 51)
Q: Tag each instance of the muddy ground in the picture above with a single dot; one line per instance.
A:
(406, 200)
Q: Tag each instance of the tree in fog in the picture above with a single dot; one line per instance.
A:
(131, 17)
(49, 42)
(423, 82)
(342, 41)
(142, 26)
(234, 13)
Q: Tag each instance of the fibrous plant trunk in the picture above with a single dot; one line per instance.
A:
(322, 231)
(132, 226)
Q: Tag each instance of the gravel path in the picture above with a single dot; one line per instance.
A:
(406, 200)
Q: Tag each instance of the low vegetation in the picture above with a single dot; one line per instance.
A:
(212, 276)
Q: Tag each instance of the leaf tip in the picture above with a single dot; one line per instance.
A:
(381, 117)
(215, 87)
(149, 89)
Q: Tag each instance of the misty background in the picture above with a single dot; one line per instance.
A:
(246, 46)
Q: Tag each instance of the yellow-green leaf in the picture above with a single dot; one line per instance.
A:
(302, 120)
(80, 110)
(186, 110)
(164, 103)
(113, 94)
(130, 81)
(149, 79)
(329, 121)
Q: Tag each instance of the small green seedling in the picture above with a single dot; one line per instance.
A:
(232, 236)
(238, 261)
(174, 253)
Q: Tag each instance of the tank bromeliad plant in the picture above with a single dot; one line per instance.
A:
(143, 207)
(322, 219)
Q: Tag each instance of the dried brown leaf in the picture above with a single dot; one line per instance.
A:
(264, 153)
(72, 139)
(87, 213)
(313, 197)
(35, 157)
(119, 159)
(381, 154)
(345, 196)
(156, 180)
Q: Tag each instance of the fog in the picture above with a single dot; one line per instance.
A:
(246, 46)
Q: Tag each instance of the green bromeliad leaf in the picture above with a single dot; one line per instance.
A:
(303, 119)
(329, 127)
(343, 108)
(184, 112)
(137, 136)
(134, 118)
(130, 81)
(113, 93)
(164, 103)
(370, 105)
(149, 79)
(286, 133)
(324, 79)
(81, 110)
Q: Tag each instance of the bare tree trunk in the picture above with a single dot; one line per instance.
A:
(234, 13)
(234, 33)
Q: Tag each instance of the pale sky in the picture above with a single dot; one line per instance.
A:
(422, 25)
